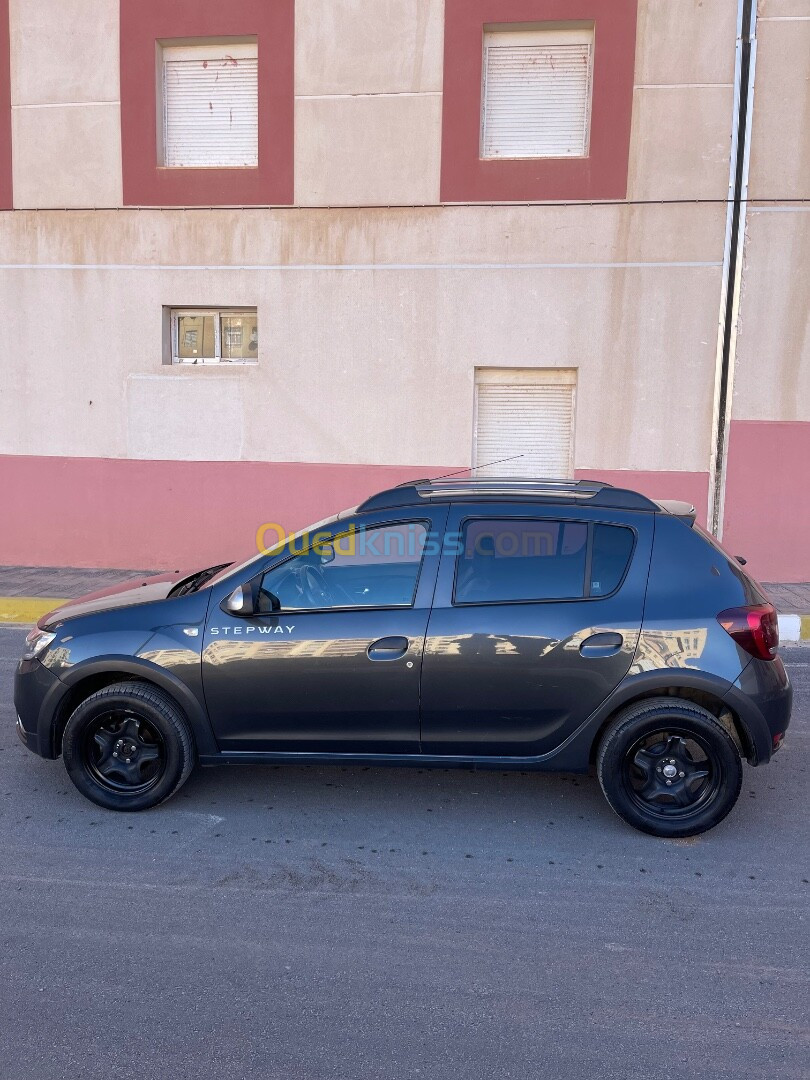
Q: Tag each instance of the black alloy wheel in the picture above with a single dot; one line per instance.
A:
(671, 773)
(669, 767)
(124, 752)
(128, 746)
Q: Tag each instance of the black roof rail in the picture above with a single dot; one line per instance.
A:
(454, 478)
(548, 490)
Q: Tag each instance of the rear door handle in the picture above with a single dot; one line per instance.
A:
(601, 645)
(388, 648)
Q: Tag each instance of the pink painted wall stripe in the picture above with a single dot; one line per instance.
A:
(101, 512)
(767, 515)
(158, 514)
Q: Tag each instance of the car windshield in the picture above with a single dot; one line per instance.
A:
(278, 548)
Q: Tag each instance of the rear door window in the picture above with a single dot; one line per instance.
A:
(521, 559)
(503, 561)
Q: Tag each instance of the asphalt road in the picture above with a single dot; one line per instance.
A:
(385, 923)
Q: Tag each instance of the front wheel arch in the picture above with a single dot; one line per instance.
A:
(128, 747)
(87, 678)
(80, 692)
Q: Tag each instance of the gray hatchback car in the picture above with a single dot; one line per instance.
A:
(488, 623)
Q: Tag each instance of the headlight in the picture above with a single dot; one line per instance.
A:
(36, 643)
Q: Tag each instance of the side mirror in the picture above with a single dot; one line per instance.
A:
(326, 553)
(250, 599)
(242, 601)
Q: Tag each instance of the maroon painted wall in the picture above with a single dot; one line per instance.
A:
(600, 175)
(143, 23)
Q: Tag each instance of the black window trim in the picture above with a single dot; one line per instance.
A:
(336, 535)
(586, 590)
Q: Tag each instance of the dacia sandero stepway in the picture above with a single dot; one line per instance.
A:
(487, 623)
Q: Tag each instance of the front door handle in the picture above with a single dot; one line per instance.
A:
(601, 645)
(388, 648)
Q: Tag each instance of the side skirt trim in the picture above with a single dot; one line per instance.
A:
(448, 761)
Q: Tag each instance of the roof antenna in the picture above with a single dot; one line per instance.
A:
(472, 468)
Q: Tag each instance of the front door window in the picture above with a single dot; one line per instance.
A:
(377, 568)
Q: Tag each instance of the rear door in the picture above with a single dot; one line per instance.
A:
(535, 620)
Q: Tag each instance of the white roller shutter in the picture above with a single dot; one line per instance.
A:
(532, 418)
(537, 93)
(210, 106)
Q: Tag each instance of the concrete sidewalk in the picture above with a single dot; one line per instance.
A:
(27, 592)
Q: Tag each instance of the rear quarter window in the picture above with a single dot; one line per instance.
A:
(612, 550)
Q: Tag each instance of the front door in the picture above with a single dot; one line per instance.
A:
(334, 664)
(535, 621)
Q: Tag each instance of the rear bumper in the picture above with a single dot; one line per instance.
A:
(762, 698)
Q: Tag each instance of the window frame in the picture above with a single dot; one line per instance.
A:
(603, 175)
(204, 49)
(527, 34)
(175, 314)
(586, 583)
(525, 377)
(334, 538)
(143, 23)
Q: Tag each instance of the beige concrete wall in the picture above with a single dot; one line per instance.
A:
(371, 325)
(780, 148)
(368, 150)
(372, 321)
(775, 9)
(683, 100)
(368, 80)
(368, 101)
(368, 47)
(772, 378)
(66, 132)
(772, 374)
(690, 42)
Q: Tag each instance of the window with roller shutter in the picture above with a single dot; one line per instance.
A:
(536, 97)
(210, 105)
(527, 417)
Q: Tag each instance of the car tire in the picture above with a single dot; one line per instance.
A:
(669, 768)
(128, 747)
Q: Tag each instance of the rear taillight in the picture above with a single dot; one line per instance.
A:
(754, 628)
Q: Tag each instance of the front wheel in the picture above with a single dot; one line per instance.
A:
(128, 747)
(669, 768)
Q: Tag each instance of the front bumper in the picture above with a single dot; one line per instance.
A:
(762, 698)
(37, 693)
(29, 739)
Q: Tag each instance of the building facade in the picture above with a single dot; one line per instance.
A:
(265, 257)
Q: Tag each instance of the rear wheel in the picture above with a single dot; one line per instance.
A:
(669, 768)
(128, 747)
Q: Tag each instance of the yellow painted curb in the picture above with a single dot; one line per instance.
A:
(26, 609)
(804, 633)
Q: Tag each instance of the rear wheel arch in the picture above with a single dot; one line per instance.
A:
(670, 796)
(713, 703)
